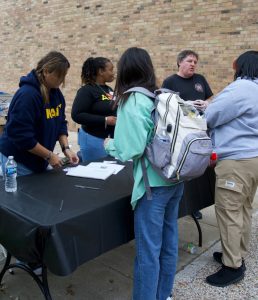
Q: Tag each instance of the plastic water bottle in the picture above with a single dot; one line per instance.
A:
(163, 134)
(10, 175)
(190, 248)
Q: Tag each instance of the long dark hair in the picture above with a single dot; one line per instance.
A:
(90, 69)
(134, 69)
(247, 65)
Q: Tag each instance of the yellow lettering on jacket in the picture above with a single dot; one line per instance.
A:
(104, 98)
(53, 112)
(48, 114)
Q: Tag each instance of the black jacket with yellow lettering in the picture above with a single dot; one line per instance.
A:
(30, 121)
(90, 107)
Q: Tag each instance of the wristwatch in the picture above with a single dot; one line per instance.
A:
(65, 148)
(47, 158)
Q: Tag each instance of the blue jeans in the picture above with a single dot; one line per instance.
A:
(156, 241)
(91, 147)
(21, 169)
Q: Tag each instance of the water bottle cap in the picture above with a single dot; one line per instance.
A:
(10, 157)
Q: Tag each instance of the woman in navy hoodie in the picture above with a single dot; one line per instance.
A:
(36, 118)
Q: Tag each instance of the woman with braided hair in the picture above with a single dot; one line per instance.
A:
(93, 108)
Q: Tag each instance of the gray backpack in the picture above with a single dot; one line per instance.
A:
(180, 148)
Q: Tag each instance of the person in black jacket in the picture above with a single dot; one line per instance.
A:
(93, 107)
(36, 118)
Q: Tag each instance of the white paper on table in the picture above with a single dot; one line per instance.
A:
(95, 170)
(109, 162)
(106, 166)
(84, 171)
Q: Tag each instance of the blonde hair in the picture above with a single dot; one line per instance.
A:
(53, 62)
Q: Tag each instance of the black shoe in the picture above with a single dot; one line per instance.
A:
(218, 258)
(225, 276)
(198, 215)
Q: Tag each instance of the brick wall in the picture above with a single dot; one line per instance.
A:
(218, 30)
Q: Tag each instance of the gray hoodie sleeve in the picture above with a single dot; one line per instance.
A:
(227, 105)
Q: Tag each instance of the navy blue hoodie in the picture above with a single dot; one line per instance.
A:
(31, 121)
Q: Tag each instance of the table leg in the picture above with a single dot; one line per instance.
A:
(199, 229)
(42, 284)
(45, 283)
(5, 268)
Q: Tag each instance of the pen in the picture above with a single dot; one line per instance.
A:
(61, 205)
(87, 187)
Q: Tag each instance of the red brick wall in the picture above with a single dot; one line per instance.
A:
(218, 30)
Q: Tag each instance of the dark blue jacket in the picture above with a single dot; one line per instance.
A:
(31, 121)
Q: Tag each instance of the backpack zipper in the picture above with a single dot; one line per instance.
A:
(175, 131)
(167, 108)
(176, 122)
(185, 153)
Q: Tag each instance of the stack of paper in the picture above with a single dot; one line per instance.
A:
(95, 170)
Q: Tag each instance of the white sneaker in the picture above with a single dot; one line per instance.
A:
(3, 254)
(36, 268)
(38, 271)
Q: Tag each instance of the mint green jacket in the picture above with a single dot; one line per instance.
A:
(134, 129)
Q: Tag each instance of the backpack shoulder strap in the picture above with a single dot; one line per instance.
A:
(142, 91)
(146, 179)
(164, 90)
(144, 169)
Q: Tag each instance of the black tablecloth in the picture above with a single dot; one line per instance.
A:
(91, 222)
(198, 193)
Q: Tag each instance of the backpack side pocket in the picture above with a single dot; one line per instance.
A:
(194, 158)
(158, 152)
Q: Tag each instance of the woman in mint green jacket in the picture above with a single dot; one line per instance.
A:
(155, 221)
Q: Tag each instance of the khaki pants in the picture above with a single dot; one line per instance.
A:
(236, 184)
